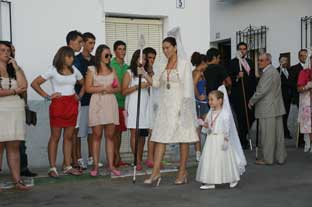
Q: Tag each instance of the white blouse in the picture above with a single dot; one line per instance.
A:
(64, 84)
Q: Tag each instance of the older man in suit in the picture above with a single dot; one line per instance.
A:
(269, 110)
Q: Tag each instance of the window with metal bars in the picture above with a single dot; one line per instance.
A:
(256, 39)
(306, 32)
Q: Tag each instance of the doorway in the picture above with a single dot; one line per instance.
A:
(225, 51)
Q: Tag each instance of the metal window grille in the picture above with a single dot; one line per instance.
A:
(256, 39)
(306, 32)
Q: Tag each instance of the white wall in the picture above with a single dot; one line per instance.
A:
(282, 17)
(40, 26)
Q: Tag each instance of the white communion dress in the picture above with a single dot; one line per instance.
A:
(218, 166)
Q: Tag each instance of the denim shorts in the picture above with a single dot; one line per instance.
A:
(202, 108)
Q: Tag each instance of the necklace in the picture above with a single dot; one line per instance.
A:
(168, 74)
(168, 79)
(10, 82)
(212, 122)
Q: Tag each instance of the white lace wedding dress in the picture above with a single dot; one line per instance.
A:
(168, 126)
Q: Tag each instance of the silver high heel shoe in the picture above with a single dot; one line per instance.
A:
(153, 180)
(181, 181)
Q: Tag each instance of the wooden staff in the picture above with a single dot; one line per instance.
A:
(137, 127)
(245, 104)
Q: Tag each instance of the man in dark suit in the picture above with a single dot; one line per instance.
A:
(293, 76)
(286, 91)
(294, 73)
(243, 81)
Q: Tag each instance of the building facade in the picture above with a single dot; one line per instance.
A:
(273, 26)
(39, 28)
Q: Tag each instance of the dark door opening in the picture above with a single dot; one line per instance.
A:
(225, 50)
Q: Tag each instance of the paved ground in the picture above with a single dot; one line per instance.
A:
(270, 186)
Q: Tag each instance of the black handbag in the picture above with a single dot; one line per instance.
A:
(31, 116)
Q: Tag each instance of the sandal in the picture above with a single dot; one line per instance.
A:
(115, 172)
(77, 167)
(53, 172)
(94, 172)
(21, 186)
(69, 170)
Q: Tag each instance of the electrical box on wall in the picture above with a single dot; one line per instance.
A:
(218, 35)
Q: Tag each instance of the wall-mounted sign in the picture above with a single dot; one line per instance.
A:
(218, 35)
(180, 4)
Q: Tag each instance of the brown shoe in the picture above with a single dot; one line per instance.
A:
(261, 162)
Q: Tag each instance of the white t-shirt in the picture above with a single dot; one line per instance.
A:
(64, 84)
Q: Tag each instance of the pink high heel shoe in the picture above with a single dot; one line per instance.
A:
(94, 173)
(115, 172)
(139, 167)
(149, 164)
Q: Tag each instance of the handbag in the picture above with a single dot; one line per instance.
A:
(115, 83)
(31, 116)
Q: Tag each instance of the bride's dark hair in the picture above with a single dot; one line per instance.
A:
(170, 40)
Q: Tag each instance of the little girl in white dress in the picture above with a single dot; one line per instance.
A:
(222, 159)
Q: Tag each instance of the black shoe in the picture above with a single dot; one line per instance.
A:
(246, 146)
(287, 135)
(28, 173)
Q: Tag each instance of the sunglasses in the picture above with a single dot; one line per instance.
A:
(108, 56)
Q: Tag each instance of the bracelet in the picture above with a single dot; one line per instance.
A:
(47, 98)
(17, 69)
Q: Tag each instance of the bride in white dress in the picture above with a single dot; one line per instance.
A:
(175, 120)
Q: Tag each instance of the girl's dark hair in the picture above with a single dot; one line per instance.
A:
(198, 58)
(59, 58)
(10, 69)
(98, 56)
(170, 40)
(134, 63)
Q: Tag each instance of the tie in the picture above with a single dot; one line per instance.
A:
(246, 65)
(285, 72)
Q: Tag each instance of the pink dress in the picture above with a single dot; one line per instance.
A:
(305, 112)
(103, 108)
